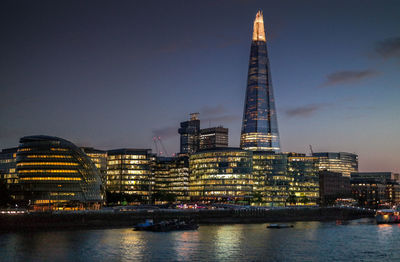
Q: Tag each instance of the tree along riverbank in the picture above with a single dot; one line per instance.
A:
(119, 218)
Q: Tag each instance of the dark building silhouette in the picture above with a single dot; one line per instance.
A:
(260, 125)
(375, 189)
(213, 137)
(190, 135)
(333, 185)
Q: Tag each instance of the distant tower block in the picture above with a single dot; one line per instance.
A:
(190, 134)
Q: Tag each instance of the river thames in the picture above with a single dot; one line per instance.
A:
(358, 240)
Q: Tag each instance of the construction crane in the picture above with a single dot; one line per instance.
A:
(312, 152)
(159, 146)
(162, 145)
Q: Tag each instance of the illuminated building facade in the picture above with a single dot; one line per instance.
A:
(171, 176)
(221, 175)
(260, 125)
(99, 158)
(190, 135)
(129, 172)
(271, 182)
(8, 161)
(56, 174)
(339, 162)
(375, 189)
(213, 137)
(302, 171)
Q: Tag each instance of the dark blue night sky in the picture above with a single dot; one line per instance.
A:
(113, 74)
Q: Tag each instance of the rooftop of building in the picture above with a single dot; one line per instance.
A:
(128, 151)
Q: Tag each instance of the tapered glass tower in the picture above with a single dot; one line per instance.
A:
(260, 126)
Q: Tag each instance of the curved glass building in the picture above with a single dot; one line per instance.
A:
(221, 175)
(56, 174)
(260, 126)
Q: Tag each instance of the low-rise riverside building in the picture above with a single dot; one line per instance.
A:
(171, 179)
(333, 186)
(55, 174)
(375, 189)
(8, 171)
(302, 172)
(99, 159)
(339, 162)
(270, 180)
(129, 175)
(221, 175)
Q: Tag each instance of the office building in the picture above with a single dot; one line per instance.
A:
(99, 159)
(8, 161)
(339, 162)
(302, 172)
(171, 176)
(333, 186)
(129, 175)
(260, 125)
(270, 180)
(221, 175)
(190, 135)
(213, 137)
(375, 189)
(55, 174)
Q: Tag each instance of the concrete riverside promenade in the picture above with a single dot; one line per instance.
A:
(120, 218)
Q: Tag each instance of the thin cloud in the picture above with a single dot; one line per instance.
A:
(305, 111)
(213, 110)
(219, 120)
(388, 48)
(349, 76)
(166, 132)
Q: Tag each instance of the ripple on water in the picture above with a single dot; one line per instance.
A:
(307, 241)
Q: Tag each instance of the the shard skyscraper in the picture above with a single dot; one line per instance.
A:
(260, 126)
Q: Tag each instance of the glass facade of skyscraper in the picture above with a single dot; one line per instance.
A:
(260, 125)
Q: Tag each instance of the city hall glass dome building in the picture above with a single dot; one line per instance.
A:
(56, 174)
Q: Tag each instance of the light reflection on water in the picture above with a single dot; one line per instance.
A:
(307, 241)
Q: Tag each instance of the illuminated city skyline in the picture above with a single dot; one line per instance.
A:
(108, 79)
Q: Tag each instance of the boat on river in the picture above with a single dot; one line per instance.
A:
(279, 226)
(387, 216)
(167, 225)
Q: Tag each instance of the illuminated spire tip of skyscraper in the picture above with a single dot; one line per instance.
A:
(258, 28)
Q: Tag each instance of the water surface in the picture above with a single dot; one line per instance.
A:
(359, 240)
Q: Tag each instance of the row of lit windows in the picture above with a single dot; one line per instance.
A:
(48, 171)
(24, 149)
(62, 194)
(116, 162)
(4, 161)
(127, 157)
(49, 156)
(59, 149)
(52, 178)
(124, 172)
(47, 164)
